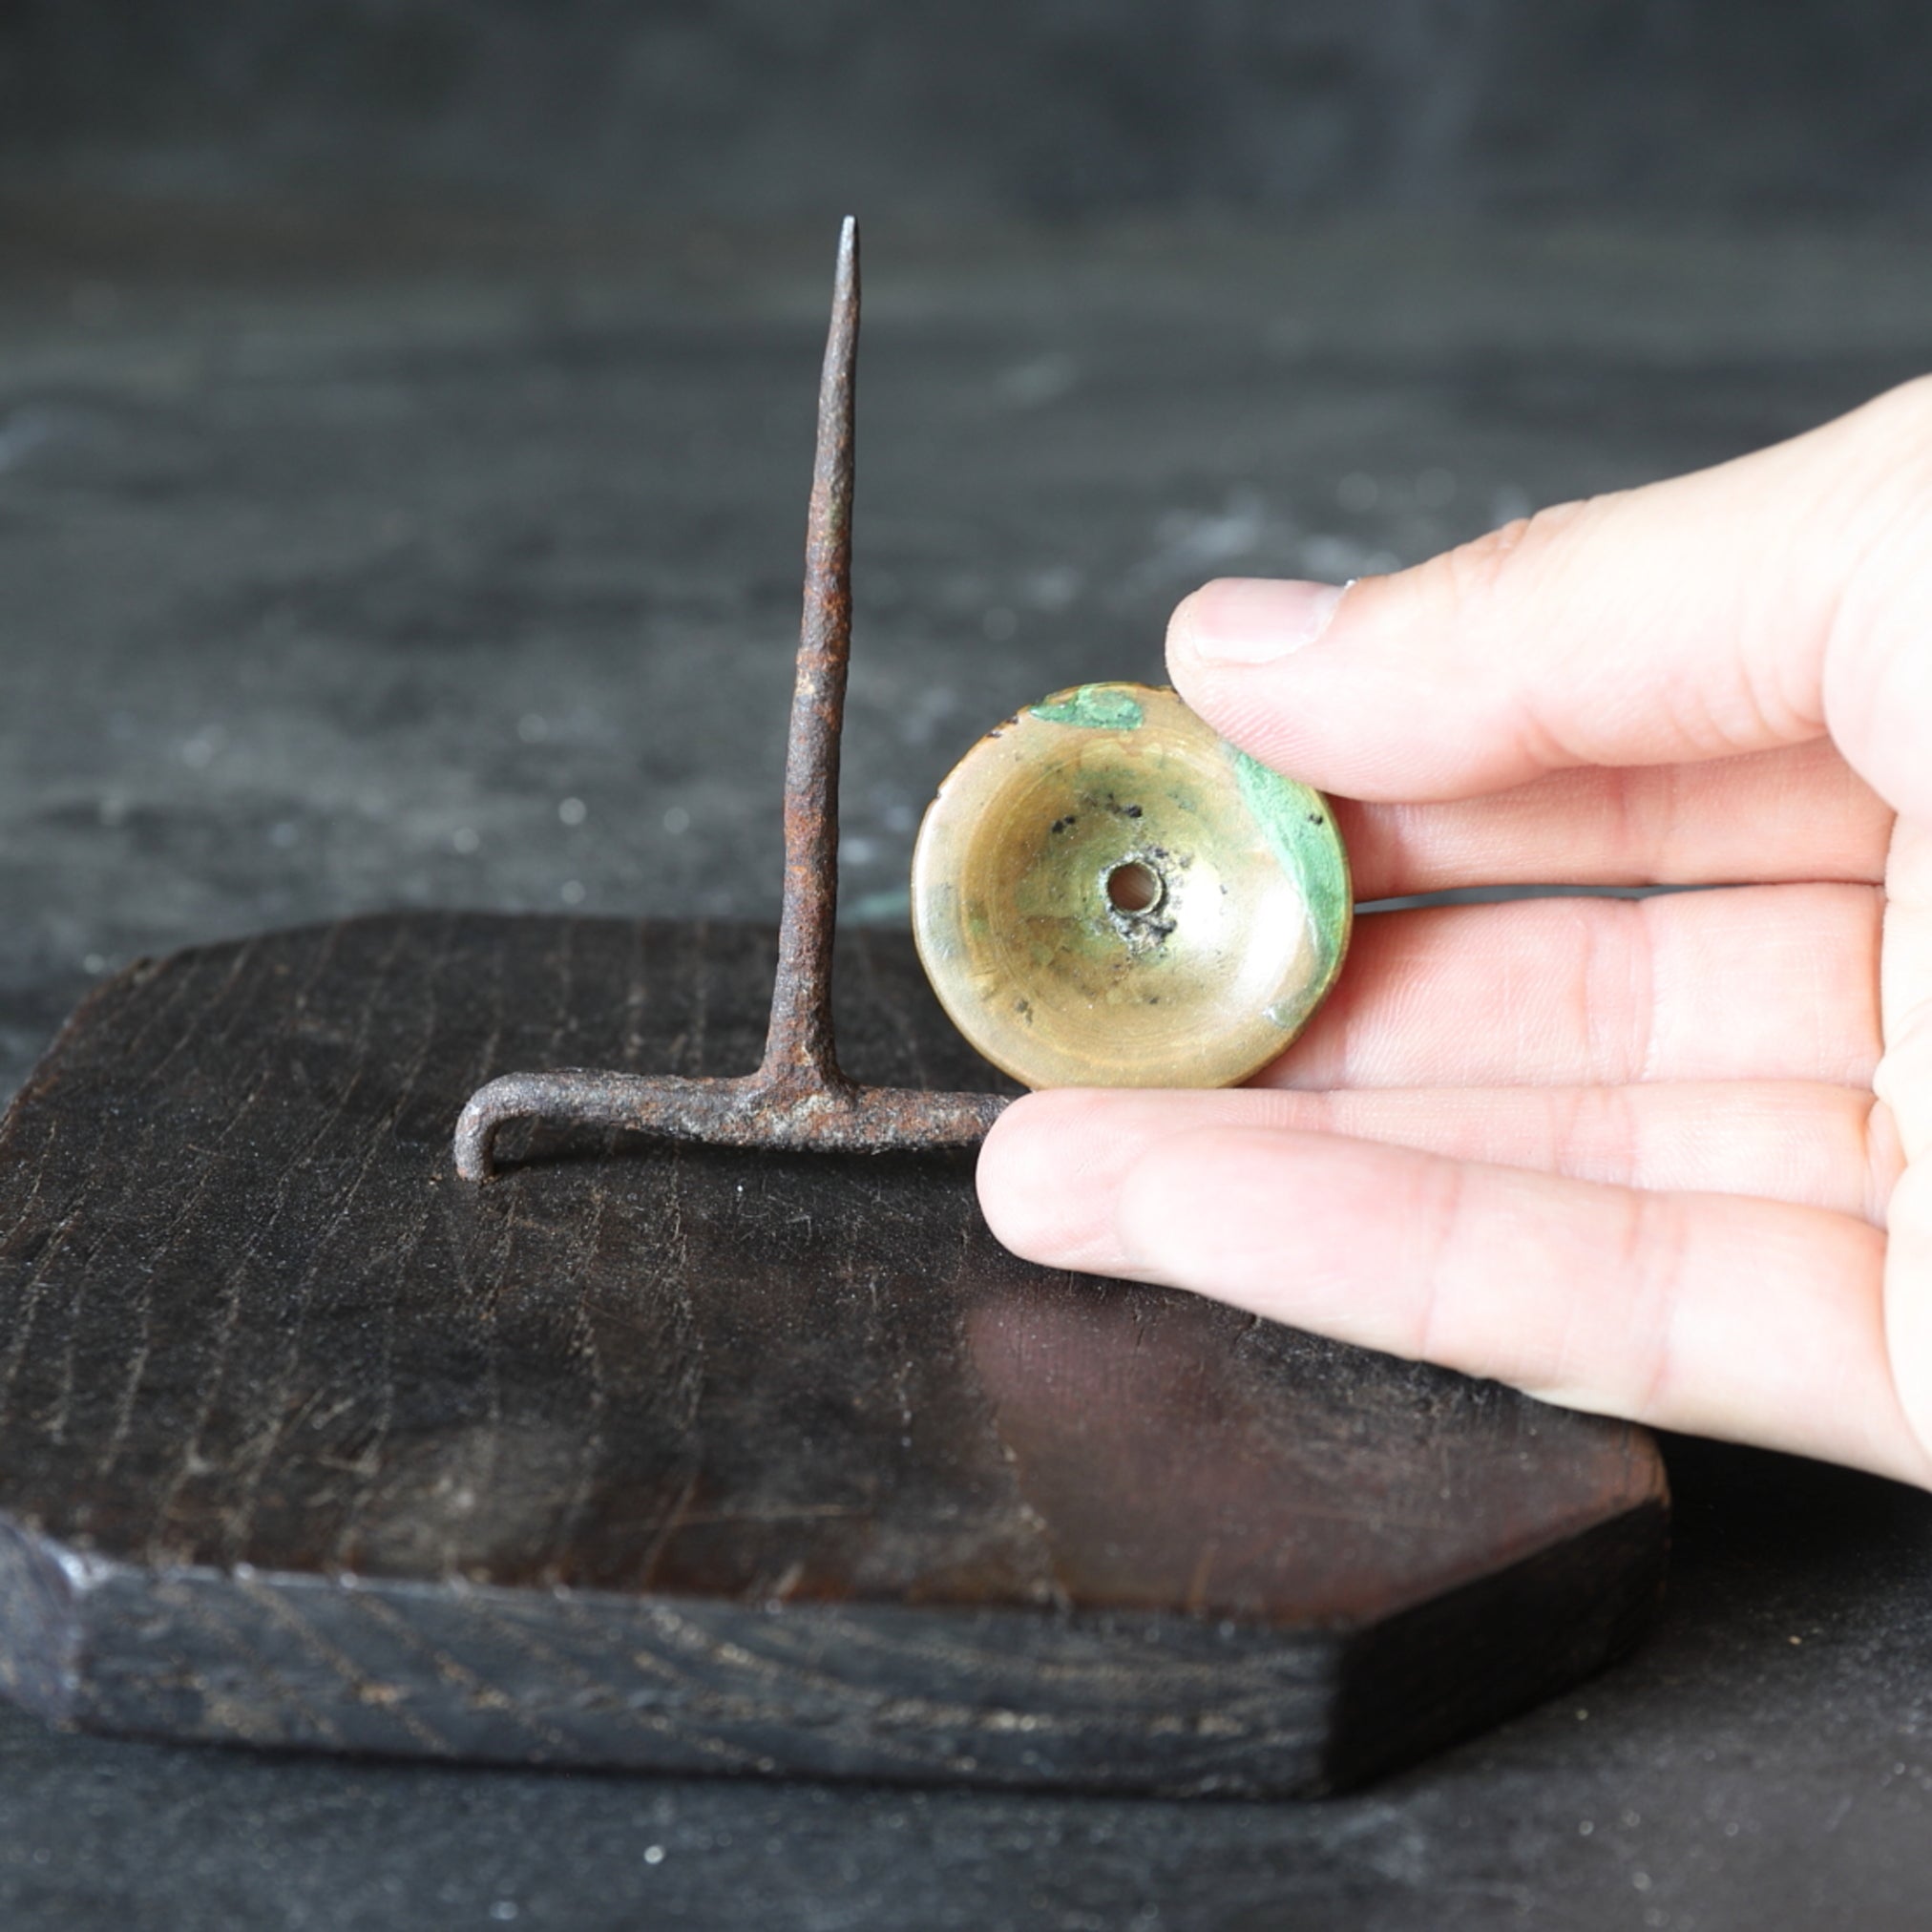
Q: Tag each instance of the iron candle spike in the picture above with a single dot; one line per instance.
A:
(798, 1100)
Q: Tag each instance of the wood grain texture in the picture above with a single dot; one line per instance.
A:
(701, 1459)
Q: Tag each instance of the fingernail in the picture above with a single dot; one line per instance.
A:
(1255, 620)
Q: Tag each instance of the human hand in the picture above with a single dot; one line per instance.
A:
(1670, 1158)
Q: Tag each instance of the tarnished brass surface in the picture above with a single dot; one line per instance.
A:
(1106, 893)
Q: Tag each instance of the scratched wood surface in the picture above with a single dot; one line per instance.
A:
(703, 1460)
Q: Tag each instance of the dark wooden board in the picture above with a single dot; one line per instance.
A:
(703, 1460)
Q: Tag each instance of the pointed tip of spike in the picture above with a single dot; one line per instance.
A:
(844, 289)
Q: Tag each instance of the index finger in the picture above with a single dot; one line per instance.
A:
(1765, 602)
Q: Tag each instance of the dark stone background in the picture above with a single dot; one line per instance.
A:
(946, 107)
(405, 415)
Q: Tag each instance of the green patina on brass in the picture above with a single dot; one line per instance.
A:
(1097, 708)
(1298, 826)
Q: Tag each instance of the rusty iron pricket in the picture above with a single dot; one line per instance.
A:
(798, 1098)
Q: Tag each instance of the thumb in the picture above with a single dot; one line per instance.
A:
(1767, 602)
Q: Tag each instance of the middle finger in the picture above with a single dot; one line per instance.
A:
(1798, 812)
(1755, 982)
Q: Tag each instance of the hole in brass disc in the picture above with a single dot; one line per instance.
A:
(1134, 886)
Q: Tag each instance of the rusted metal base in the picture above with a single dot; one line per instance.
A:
(829, 1117)
(690, 1457)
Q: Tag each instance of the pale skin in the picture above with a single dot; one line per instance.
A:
(1669, 1159)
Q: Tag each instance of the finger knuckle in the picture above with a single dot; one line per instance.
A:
(1477, 570)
